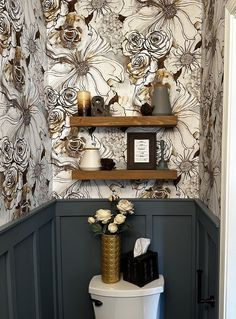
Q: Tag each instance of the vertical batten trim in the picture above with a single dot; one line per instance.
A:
(194, 256)
(11, 284)
(54, 266)
(59, 268)
(36, 274)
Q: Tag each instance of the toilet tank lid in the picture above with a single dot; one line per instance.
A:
(124, 288)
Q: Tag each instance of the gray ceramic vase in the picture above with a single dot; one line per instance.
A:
(160, 100)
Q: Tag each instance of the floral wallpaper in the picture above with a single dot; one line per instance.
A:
(115, 49)
(212, 104)
(25, 147)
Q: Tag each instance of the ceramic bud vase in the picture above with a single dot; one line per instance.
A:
(110, 262)
(160, 100)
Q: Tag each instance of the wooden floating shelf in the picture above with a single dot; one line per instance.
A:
(167, 174)
(123, 121)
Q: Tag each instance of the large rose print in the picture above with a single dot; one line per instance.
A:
(11, 186)
(140, 66)
(56, 120)
(6, 152)
(158, 43)
(21, 154)
(133, 43)
(68, 100)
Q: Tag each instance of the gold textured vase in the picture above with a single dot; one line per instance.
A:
(110, 262)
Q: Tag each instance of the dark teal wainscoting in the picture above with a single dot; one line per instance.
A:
(48, 258)
(27, 266)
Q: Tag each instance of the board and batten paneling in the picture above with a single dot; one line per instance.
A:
(48, 258)
(27, 266)
(207, 242)
(170, 225)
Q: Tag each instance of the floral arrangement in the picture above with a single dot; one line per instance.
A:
(112, 221)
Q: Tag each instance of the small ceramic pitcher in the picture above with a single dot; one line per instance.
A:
(91, 160)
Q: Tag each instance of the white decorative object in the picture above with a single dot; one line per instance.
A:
(91, 160)
(141, 246)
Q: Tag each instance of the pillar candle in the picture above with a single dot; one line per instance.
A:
(84, 103)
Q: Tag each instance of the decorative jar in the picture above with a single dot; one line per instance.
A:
(110, 259)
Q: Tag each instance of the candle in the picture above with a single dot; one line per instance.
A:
(84, 103)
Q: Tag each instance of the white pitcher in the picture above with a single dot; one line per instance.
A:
(91, 160)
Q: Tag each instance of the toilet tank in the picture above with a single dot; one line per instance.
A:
(124, 300)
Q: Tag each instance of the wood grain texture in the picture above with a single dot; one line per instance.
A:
(123, 121)
(124, 174)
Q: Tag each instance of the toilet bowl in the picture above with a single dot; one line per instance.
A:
(124, 300)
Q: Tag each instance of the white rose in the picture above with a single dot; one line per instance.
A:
(103, 215)
(112, 227)
(125, 206)
(91, 220)
(119, 219)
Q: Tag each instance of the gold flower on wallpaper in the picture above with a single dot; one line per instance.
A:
(14, 71)
(56, 120)
(156, 191)
(5, 31)
(71, 32)
(144, 53)
(52, 9)
(141, 68)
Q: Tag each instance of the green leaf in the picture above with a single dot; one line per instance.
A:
(96, 228)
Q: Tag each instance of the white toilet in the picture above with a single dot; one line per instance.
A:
(124, 300)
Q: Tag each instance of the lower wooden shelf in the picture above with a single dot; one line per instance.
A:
(125, 174)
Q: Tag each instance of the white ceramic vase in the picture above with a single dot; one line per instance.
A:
(91, 160)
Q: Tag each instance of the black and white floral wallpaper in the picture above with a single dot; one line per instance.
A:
(25, 147)
(212, 104)
(114, 49)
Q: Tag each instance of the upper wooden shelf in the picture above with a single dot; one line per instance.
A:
(123, 121)
(167, 174)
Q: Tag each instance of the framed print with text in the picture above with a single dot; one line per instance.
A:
(141, 150)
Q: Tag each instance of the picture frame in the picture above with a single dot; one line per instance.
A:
(141, 150)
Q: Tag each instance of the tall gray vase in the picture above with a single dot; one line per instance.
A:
(160, 100)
